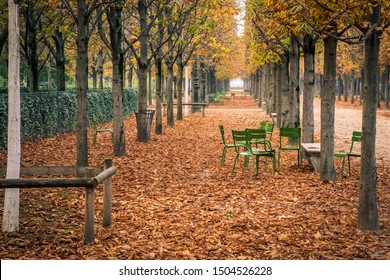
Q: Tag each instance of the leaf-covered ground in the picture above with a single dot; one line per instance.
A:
(173, 200)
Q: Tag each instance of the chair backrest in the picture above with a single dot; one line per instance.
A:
(258, 137)
(269, 128)
(222, 130)
(256, 134)
(93, 122)
(240, 140)
(356, 138)
(293, 134)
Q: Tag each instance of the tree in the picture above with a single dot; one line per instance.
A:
(11, 197)
(82, 16)
(368, 211)
(114, 18)
(32, 13)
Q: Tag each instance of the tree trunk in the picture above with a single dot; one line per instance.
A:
(274, 88)
(100, 69)
(346, 87)
(60, 60)
(10, 221)
(283, 119)
(294, 83)
(82, 84)
(368, 209)
(143, 135)
(3, 37)
(150, 93)
(114, 15)
(31, 46)
(180, 70)
(308, 90)
(195, 84)
(159, 127)
(170, 115)
(327, 171)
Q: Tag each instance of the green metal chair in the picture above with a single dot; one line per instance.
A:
(225, 145)
(260, 147)
(257, 135)
(269, 128)
(290, 140)
(356, 138)
(241, 144)
(97, 130)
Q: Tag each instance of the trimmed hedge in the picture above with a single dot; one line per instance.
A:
(46, 114)
(217, 96)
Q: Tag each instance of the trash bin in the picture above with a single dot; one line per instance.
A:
(148, 118)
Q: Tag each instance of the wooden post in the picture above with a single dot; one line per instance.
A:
(107, 192)
(204, 106)
(89, 208)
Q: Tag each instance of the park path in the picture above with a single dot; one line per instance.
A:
(349, 118)
(173, 200)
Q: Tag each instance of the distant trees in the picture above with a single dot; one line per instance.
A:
(352, 22)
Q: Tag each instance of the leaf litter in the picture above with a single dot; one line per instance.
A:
(173, 200)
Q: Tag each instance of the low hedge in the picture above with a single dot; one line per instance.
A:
(46, 114)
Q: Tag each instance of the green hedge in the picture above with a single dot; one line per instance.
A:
(217, 96)
(46, 114)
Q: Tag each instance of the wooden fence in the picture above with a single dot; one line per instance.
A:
(86, 179)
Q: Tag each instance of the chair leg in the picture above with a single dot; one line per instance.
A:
(349, 166)
(299, 158)
(279, 160)
(342, 168)
(234, 164)
(223, 155)
(273, 165)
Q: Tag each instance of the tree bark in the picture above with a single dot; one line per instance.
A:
(327, 171)
(180, 70)
(283, 119)
(143, 135)
(10, 221)
(368, 209)
(159, 126)
(294, 83)
(114, 15)
(308, 90)
(60, 60)
(82, 83)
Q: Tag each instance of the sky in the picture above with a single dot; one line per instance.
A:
(240, 17)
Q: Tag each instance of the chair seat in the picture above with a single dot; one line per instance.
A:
(353, 155)
(287, 147)
(341, 155)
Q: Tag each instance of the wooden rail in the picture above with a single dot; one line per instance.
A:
(89, 182)
(192, 104)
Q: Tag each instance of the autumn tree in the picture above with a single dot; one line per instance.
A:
(32, 50)
(82, 15)
(114, 44)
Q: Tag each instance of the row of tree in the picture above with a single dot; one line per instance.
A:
(277, 31)
(166, 34)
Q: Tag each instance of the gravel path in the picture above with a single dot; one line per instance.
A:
(350, 119)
